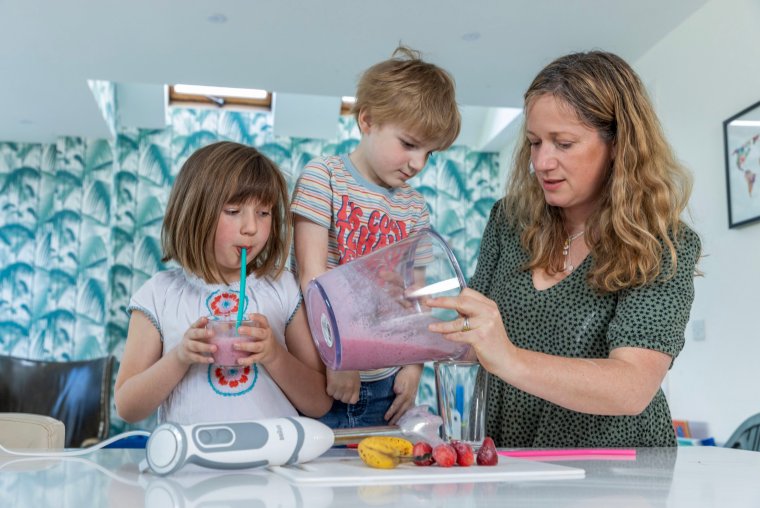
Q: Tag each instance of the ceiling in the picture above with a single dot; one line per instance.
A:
(49, 49)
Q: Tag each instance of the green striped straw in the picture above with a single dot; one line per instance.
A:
(241, 298)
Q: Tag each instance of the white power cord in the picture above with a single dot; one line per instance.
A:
(77, 452)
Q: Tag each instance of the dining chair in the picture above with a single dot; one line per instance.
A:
(78, 393)
(747, 435)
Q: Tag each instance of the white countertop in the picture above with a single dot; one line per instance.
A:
(658, 477)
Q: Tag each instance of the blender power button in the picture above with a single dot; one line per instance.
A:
(214, 437)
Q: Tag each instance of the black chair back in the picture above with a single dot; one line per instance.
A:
(78, 393)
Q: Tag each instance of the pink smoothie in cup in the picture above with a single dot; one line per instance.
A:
(225, 336)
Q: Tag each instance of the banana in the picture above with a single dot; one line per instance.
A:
(384, 452)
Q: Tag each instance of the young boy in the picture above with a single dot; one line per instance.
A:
(348, 206)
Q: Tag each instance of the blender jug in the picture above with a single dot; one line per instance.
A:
(370, 313)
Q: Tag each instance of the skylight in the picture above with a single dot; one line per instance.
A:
(221, 91)
(220, 96)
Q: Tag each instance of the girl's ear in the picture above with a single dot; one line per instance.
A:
(365, 121)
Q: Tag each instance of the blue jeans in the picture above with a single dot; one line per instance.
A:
(374, 400)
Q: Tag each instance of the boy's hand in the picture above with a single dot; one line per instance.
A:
(405, 386)
(264, 348)
(343, 385)
(194, 345)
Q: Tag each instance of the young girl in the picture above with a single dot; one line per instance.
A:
(226, 198)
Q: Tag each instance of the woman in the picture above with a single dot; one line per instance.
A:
(584, 282)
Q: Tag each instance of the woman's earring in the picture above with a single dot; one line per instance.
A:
(531, 169)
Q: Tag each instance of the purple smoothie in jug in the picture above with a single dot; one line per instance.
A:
(365, 314)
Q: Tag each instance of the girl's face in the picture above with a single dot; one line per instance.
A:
(570, 159)
(240, 226)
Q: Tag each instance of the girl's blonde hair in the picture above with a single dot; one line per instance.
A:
(216, 175)
(639, 209)
(412, 93)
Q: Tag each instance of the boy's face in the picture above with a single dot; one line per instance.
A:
(389, 154)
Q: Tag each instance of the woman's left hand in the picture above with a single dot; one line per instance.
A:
(480, 325)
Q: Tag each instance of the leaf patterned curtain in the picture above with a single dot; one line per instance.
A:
(81, 220)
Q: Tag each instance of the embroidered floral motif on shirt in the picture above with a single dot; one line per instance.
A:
(232, 381)
(224, 302)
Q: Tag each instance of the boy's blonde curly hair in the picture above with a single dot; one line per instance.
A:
(412, 93)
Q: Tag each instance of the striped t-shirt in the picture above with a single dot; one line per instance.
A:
(361, 216)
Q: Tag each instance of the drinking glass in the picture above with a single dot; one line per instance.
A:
(461, 401)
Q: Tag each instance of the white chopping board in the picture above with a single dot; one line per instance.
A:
(352, 471)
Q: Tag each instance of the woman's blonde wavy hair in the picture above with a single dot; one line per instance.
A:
(639, 209)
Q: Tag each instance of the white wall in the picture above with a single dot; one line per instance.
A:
(702, 73)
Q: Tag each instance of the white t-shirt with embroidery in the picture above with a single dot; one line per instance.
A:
(173, 300)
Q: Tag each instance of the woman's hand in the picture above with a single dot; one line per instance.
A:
(405, 387)
(264, 348)
(194, 346)
(587, 385)
(486, 334)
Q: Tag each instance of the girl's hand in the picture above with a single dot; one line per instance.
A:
(486, 334)
(405, 386)
(194, 347)
(264, 348)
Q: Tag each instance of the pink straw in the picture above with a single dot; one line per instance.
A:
(573, 454)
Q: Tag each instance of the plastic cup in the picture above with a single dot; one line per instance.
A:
(224, 337)
(461, 401)
(370, 313)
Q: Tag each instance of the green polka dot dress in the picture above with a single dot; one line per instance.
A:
(571, 319)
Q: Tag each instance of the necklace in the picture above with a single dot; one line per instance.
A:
(568, 266)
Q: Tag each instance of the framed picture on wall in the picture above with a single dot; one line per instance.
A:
(741, 135)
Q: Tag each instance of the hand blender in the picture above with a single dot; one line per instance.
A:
(237, 445)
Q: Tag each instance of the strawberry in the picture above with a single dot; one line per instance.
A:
(444, 455)
(465, 456)
(487, 455)
(423, 454)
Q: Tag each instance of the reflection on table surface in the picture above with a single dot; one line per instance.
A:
(659, 477)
